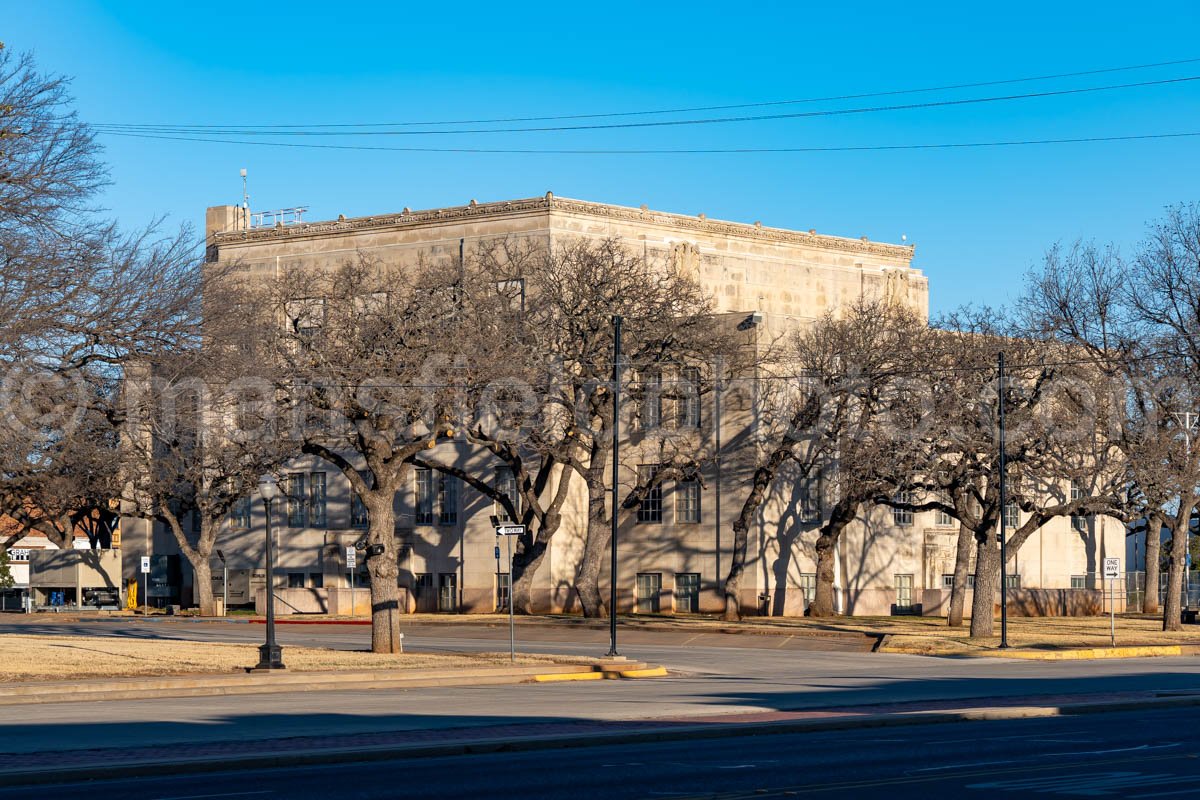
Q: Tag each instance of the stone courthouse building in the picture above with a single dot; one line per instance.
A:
(674, 559)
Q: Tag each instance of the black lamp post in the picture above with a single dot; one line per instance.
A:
(270, 654)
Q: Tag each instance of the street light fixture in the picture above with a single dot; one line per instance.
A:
(270, 654)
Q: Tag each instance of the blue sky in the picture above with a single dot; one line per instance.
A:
(979, 217)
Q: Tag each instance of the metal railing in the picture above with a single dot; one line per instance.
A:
(1135, 590)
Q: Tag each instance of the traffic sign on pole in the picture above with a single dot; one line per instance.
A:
(145, 565)
(1112, 572)
(351, 557)
(509, 531)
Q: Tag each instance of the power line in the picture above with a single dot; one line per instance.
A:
(680, 110)
(671, 123)
(666, 151)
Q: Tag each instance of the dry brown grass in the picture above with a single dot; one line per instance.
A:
(931, 635)
(27, 658)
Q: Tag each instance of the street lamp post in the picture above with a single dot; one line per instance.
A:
(270, 654)
(1187, 420)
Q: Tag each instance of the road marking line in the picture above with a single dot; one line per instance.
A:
(225, 794)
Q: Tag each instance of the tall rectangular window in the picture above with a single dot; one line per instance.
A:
(687, 592)
(943, 520)
(809, 499)
(903, 517)
(808, 587)
(1079, 522)
(503, 592)
(1013, 581)
(358, 511)
(1012, 516)
(650, 509)
(687, 401)
(447, 499)
(424, 496)
(647, 388)
(297, 498)
(317, 500)
(506, 484)
(649, 590)
(904, 592)
(687, 502)
(239, 517)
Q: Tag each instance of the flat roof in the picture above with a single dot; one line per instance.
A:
(548, 203)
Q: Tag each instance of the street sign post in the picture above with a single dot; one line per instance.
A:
(509, 531)
(1112, 572)
(351, 565)
(145, 582)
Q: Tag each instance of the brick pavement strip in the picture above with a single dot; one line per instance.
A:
(62, 766)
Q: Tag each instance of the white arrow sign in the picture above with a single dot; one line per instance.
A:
(510, 530)
(1112, 568)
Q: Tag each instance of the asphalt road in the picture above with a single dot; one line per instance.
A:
(739, 676)
(1128, 755)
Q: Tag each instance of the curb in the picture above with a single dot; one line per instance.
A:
(1077, 654)
(223, 684)
(226, 763)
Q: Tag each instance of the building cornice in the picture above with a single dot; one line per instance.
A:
(549, 202)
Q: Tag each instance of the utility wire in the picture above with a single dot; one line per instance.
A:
(681, 110)
(683, 122)
(667, 151)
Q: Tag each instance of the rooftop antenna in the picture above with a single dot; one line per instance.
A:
(245, 199)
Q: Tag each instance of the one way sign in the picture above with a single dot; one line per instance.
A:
(510, 530)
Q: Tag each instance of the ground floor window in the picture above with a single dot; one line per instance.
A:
(295, 580)
(316, 580)
(948, 581)
(1013, 581)
(904, 592)
(1079, 581)
(503, 591)
(808, 587)
(687, 592)
(448, 591)
(649, 587)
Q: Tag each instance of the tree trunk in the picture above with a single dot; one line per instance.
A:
(1176, 567)
(527, 563)
(737, 565)
(987, 574)
(843, 512)
(1153, 555)
(763, 476)
(198, 556)
(202, 586)
(383, 570)
(596, 547)
(962, 568)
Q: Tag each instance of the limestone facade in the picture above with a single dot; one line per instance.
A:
(772, 277)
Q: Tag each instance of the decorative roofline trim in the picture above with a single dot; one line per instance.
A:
(549, 202)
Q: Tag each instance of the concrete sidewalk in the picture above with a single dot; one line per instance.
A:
(202, 685)
(67, 765)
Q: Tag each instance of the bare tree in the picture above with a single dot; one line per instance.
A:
(549, 410)
(80, 300)
(1135, 320)
(372, 359)
(829, 418)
